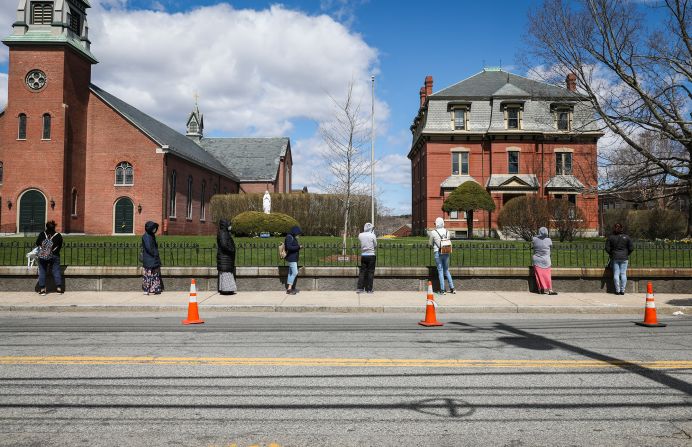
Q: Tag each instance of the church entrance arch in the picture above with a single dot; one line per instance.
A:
(124, 216)
(32, 212)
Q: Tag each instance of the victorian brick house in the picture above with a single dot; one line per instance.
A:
(512, 135)
(74, 153)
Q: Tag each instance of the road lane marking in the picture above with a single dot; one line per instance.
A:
(342, 362)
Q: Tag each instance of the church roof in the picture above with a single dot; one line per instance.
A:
(252, 159)
(178, 144)
(491, 82)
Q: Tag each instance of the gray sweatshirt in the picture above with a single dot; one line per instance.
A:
(368, 241)
(541, 249)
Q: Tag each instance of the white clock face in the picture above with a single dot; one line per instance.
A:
(36, 79)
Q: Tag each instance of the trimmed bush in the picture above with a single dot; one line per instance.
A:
(320, 214)
(252, 223)
(469, 196)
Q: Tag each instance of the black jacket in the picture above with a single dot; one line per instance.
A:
(225, 253)
(150, 249)
(57, 242)
(619, 247)
(292, 245)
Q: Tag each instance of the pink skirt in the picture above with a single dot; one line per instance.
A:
(543, 279)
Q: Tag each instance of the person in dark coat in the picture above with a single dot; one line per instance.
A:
(225, 259)
(151, 261)
(619, 247)
(292, 254)
(49, 243)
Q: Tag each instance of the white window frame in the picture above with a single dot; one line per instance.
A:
(456, 155)
(123, 166)
(556, 118)
(518, 108)
(560, 161)
(466, 117)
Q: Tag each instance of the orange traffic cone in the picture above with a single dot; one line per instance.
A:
(430, 305)
(192, 311)
(650, 309)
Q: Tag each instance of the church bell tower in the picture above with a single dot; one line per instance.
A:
(43, 131)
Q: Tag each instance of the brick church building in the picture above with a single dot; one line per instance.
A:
(512, 135)
(74, 153)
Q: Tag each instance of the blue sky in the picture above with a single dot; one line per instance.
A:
(263, 68)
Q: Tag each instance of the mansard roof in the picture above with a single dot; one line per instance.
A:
(496, 82)
(177, 143)
(253, 159)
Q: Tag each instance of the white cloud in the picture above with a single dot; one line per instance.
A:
(393, 169)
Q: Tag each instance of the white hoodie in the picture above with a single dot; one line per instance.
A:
(437, 234)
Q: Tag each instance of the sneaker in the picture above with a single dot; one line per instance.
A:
(452, 291)
(370, 291)
(59, 290)
(360, 290)
(441, 292)
(552, 292)
(145, 293)
(42, 292)
(292, 292)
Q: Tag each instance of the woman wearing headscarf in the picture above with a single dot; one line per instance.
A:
(541, 262)
(225, 259)
(151, 261)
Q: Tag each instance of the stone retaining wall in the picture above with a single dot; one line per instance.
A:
(344, 278)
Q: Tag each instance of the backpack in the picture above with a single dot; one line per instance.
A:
(445, 243)
(45, 251)
(282, 251)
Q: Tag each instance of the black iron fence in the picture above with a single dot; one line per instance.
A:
(389, 254)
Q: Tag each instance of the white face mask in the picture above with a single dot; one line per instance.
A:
(229, 228)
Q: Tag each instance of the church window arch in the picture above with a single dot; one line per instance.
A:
(171, 194)
(189, 197)
(46, 126)
(21, 131)
(42, 13)
(124, 174)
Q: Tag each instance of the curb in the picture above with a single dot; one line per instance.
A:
(592, 310)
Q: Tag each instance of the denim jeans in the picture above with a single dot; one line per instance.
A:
(54, 265)
(442, 262)
(620, 275)
(292, 273)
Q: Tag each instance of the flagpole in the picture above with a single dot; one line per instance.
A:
(372, 153)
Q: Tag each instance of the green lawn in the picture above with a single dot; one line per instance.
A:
(325, 251)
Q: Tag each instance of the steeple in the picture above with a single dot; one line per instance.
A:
(52, 22)
(195, 122)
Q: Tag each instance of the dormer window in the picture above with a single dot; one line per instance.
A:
(563, 119)
(460, 115)
(513, 117)
(42, 13)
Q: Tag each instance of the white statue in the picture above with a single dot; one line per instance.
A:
(267, 203)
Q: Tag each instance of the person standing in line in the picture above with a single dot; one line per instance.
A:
(439, 239)
(151, 262)
(368, 244)
(541, 262)
(225, 259)
(292, 254)
(619, 247)
(49, 244)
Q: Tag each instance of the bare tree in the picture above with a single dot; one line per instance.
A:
(636, 75)
(345, 136)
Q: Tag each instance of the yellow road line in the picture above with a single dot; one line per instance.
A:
(341, 362)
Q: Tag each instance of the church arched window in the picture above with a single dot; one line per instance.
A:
(46, 126)
(42, 13)
(189, 197)
(124, 174)
(21, 132)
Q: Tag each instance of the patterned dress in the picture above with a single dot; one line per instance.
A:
(151, 280)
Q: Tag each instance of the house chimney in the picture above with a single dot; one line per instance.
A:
(422, 96)
(428, 85)
(571, 82)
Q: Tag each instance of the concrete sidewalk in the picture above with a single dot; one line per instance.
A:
(347, 302)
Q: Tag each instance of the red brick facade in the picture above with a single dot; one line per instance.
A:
(431, 166)
(88, 139)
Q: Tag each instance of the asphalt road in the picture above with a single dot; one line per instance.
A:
(342, 380)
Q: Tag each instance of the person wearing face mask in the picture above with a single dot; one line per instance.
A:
(151, 261)
(541, 262)
(368, 244)
(225, 259)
